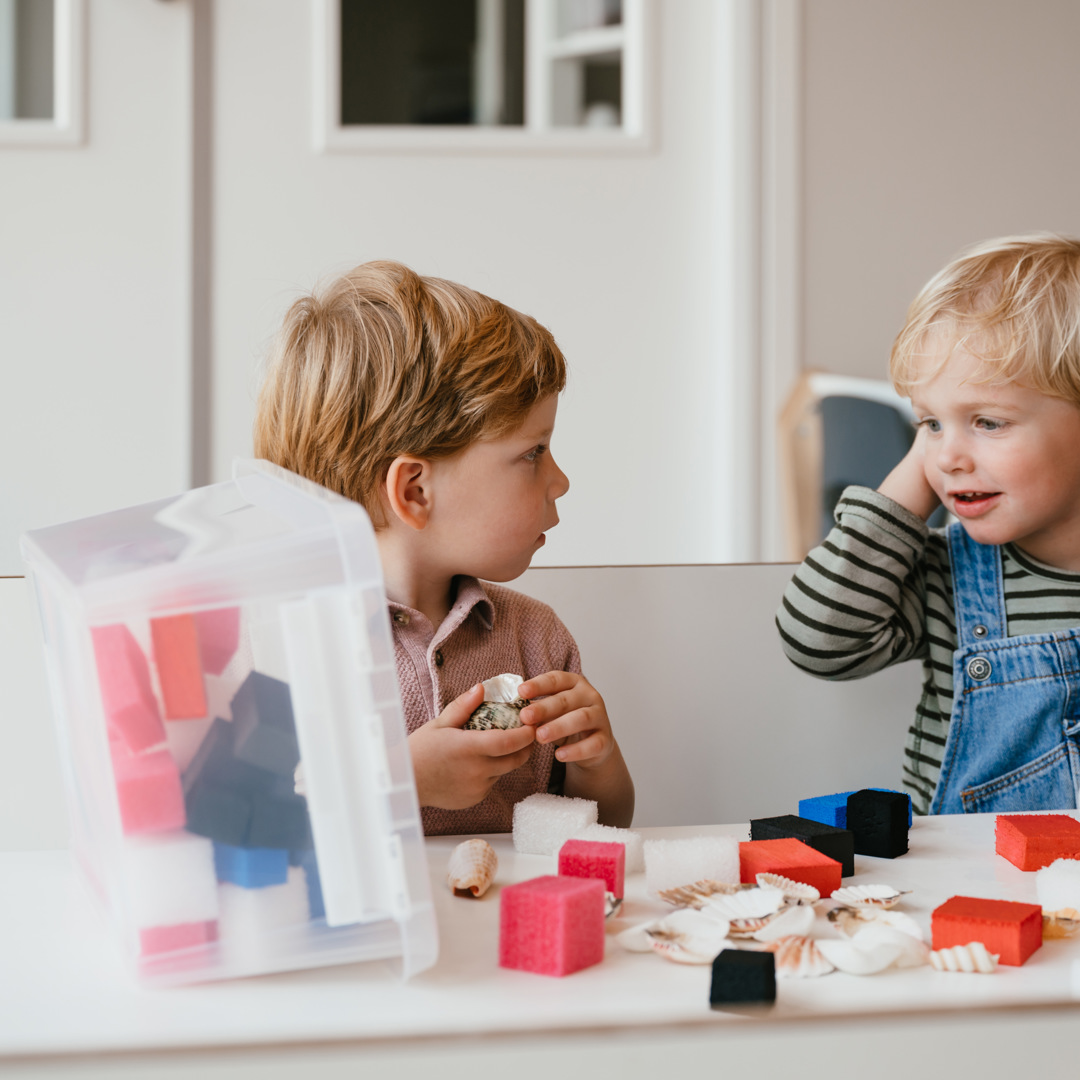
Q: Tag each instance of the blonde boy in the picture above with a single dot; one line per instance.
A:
(990, 357)
(434, 407)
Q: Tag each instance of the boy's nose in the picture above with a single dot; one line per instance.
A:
(560, 483)
(953, 454)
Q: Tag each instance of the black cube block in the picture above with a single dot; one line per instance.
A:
(838, 844)
(879, 822)
(740, 977)
(265, 731)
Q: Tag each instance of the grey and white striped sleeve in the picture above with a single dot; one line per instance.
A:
(857, 603)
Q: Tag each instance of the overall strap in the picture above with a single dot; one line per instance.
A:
(978, 588)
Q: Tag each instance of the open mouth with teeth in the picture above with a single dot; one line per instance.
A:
(974, 496)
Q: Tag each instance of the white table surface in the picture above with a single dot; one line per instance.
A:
(64, 990)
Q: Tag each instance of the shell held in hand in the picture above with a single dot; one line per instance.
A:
(496, 715)
(473, 865)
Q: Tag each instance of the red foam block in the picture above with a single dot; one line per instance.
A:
(219, 637)
(124, 676)
(791, 858)
(160, 939)
(148, 790)
(595, 859)
(552, 925)
(1032, 841)
(179, 668)
(1010, 929)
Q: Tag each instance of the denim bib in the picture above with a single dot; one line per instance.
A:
(1014, 736)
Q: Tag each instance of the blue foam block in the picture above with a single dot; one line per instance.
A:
(832, 809)
(316, 907)
(251, 868)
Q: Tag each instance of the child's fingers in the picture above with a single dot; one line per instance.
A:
(509, 762)
(551, 682)
(577, 722)
(498, 744)
(548, 708)
(590, 747)
(457, 713)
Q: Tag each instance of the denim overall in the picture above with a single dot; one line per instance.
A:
(1014, 737)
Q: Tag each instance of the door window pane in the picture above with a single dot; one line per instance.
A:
(26, 59)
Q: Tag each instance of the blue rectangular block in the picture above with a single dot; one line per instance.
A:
(251, 868)
(316, 907)
(832, 809)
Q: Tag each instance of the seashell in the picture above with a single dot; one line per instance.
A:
(612, 905)
(688, 936)
(496, 715)
(472, 868)
(1060, 924)
(857, 956)
(636, 938)
(793, 921)
(798, 891)
(752, 903)
(913, 951)
(973, 957)
(748, 928)
(798, 958)
(696, 894)
(883, 896)
(851, 921)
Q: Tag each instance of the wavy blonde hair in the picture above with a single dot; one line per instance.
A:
(1014, 303)
(384, 362)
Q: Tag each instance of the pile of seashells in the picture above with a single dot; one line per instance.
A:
(780, 916)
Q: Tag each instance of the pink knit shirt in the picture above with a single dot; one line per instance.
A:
(489, 630)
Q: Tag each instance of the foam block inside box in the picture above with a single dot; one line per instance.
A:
(179, 667)
(251, 868)
(219, 637)
(169, 879)
(148, 790)
(1058, 885)
(251, 919)
(543, 823)
(163, 939)
(634, 843)
(552, 925)
(671, 863)
(595, 859)
(265, 731)
(1032, 841)
(131, 709)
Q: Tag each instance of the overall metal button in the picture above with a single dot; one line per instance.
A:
(980, 630)
(978, 667)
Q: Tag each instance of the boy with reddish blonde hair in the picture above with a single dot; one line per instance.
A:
(990, 357)
(433, 406)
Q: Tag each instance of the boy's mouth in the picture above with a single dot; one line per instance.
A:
(970, 503)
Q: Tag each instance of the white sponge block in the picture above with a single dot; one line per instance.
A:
(169, 878)
(605, 834)
(671, 863)
(259, 923)
(1058, 885)
(543, 823)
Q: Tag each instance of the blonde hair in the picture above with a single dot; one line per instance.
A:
(1012, 302)
(384, 362)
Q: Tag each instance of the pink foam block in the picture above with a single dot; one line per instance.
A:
(161, 939)
(148, 790)
(124, 676)
(552, 925)
(594, 859)
(219, 637)
(179, 668)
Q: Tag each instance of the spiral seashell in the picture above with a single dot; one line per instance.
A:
(798, 958)
(798, 891)
(696, 894)
(472, 868)
(973, 957)
(883, 896)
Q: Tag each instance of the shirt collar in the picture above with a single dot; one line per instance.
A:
(470, 597)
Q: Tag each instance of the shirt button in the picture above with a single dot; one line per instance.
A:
(438, 657)
(978, 667)
(401, 618)
(980, 630)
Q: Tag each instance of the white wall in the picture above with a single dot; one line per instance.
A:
(614, 253)
(929, 125)
(94, 287)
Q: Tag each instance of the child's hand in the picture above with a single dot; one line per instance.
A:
(907, 483)
(455, 769)
(572, 715)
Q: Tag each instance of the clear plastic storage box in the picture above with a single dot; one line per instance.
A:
(222, 673)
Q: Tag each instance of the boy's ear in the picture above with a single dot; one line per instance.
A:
(408, 490)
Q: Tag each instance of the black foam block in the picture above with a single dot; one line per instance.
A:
(742, 977)
(265, 727)
(879, 822)
(838, 844)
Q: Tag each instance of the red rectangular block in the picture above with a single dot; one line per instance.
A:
(124, 677)
(159, 939)
(595, 859)
(1032, 841)
(552, 925)
(219, 637)
(148, 790)
(1010, 929)
(793, 859)
(179, 667)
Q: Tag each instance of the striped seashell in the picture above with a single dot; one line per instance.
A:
(696, 894)
(795, 920)
(687, 936)
(883, 896)
(752, 903)
(970, 958)
(798, 958)
(496, 715)
(472, 868)
(798, 891)
(853, 920)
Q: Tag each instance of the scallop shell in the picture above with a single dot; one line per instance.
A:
(636, 938)
(882, 896)
(696, 894)
(798, 958)
(688, 936)
(853, 920)
(874, 949)
(473, 865)
(796, 920)
(973, 957)
(798, 891)
(753, 903)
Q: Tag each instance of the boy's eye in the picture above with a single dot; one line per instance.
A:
(930, 424)
(989, 424)
(535, 452)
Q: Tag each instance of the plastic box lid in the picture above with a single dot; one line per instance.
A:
(222, 674)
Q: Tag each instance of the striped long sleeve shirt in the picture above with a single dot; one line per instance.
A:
(878, 591)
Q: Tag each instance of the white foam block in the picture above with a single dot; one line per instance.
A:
(543, 823)
(606, 834)
(1058, 885)
(250, 918)
(671, 863)
(170, 879)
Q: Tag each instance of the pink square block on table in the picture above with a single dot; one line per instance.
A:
(552, 925)
(219, 637)
(124, 676)
(148, 789)
(176, 654)
(595, 859)
(161, 939)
